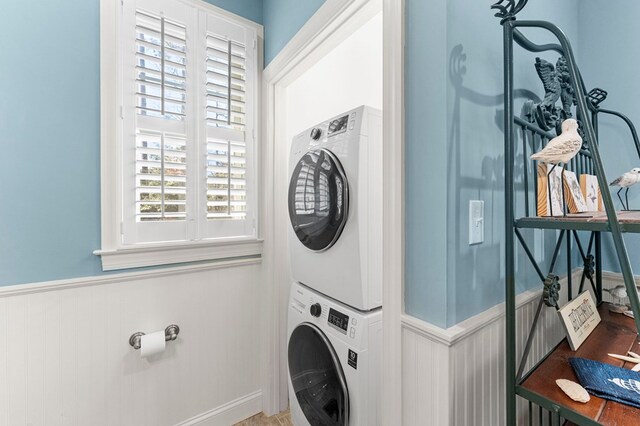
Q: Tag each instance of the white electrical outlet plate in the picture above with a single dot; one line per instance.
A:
(476, 222)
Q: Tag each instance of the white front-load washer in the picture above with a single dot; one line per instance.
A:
(335, 208)
(334, 359)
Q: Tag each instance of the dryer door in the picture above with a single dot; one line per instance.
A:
(317, 377)
(318, 199)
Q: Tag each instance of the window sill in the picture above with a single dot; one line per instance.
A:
(166, 254)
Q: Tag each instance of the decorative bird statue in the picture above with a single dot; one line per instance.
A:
(560, 150)
(550, 80)
(619, 292)
(624, 182)
(557, 85)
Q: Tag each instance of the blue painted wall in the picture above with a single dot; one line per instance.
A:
(609, 33)
(250, 9)
(50, 134)
(282, 19)
(49, 131)
(454, 146)
(49, 183)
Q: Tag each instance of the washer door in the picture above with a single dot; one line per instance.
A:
(317, 377)
(318, 199)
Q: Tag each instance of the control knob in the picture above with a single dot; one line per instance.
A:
(316, 133)
(315, 310)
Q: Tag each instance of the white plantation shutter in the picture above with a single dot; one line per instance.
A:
(226, 109)
(226, 180)
(230, 82)
(189, 78)
(161, 177)
(161, 61)
(226, 83)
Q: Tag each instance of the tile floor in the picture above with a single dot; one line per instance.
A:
(281, 419)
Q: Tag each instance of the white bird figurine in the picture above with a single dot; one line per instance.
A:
(624, 182)
(560, 150)
(618, 291)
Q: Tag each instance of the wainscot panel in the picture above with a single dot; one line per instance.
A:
(455, 376)
(68, 360)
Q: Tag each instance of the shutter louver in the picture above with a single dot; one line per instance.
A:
(226, 83)
(161, 60)
(161, 175)
(226, 180)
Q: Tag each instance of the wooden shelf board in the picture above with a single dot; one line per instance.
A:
(615, 334)
(592, 221)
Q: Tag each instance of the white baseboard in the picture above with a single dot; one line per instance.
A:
(230, 413)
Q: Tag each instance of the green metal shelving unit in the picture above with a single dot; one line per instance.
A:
(531, 132)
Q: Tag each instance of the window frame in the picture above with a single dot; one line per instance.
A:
(114, 253)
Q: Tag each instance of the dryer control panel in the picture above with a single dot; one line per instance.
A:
(338, 125)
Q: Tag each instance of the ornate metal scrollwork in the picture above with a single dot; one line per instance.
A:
(508, 9)
(558, 85)
(551, 292)
(597, 96)
(589, 266)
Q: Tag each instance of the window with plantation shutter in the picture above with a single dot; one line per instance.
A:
(226, 111)
(188, 82)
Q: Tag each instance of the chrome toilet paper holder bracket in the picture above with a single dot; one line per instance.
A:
(170, 333)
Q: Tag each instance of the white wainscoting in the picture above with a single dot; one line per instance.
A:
(455, 376)
(65, 357)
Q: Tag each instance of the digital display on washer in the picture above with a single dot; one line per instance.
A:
(338, 320)
(338, 125)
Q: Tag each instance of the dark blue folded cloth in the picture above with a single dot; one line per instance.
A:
(608, 382)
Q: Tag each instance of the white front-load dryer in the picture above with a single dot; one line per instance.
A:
(334, 359)
(335, 208)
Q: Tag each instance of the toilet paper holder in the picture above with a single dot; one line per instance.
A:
(170, 333)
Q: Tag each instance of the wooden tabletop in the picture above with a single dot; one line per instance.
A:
(615, 334)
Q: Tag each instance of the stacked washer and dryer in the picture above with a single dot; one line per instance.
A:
(335, 305)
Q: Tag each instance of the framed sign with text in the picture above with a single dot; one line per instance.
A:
(579, 318)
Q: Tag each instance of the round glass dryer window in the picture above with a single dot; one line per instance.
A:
(317, 378)
(318, 199)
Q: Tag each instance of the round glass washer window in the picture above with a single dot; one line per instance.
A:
(317, 377)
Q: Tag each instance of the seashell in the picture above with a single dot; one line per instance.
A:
(625, 358)
(573, 390)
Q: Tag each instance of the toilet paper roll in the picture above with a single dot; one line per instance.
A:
(152, 344)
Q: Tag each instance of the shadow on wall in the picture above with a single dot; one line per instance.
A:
(475, 273)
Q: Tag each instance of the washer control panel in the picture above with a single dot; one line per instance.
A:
(338, 320)
(346, 324)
